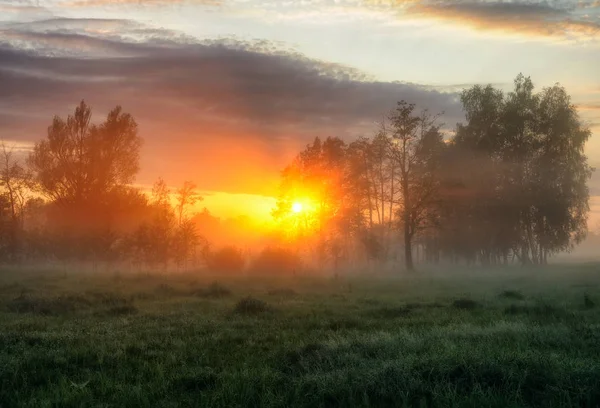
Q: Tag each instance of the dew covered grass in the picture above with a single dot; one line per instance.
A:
(445, 338)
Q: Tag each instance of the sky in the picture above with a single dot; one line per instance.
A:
(227, 92)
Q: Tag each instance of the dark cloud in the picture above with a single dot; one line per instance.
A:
(193, 98)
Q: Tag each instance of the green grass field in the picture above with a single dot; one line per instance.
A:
(502, 338)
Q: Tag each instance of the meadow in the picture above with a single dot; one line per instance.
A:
(510, 337)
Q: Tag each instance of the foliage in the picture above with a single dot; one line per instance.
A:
(226, 260)
(80, 162)
(276, 261)
(251, 306)
(510, 184)
(214, 291)
(529, 197)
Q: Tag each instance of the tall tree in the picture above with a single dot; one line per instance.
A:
(186, 196)
(533, 198)
(81, 167)
(15, 183)
(80, 161)
(186, 237)
(417, 145)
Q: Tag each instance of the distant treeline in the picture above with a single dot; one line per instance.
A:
(510, 185)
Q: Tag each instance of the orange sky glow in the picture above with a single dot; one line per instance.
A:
(227, 92)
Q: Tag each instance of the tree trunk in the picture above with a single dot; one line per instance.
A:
(408, 247)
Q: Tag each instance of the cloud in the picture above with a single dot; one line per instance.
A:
(587, 4)
(551, 19)
(233, 113)
(104, 3)
(589, 107)
(23, 11)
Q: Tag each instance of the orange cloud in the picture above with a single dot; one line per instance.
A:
(522, 18)
(589, 107)
(99, 3)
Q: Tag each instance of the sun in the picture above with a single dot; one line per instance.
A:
(297, 208)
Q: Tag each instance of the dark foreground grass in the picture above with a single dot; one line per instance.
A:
(484, 339)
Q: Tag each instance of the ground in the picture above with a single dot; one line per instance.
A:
(473, 338)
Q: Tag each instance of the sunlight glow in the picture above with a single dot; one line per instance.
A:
(297, 207)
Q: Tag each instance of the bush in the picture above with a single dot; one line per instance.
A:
(588, 303)
(276, 261)
(512, 294)
(282, 292)
(227, 259)
(251, 306)
(465, 303)
(215, 291)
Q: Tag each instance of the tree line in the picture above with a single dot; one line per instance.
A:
(72, 199)
(509, 185)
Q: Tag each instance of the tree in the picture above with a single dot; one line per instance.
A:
(15, 183)
(530, 194)
(417, 145)
(187, 196)
(185, 242)
(322, 178)
(186, 238)
(81, 167)
(80, 161)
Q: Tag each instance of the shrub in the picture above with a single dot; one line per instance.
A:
(215, 290)
(512, 294)
(588, 303)
(251, 306)
(226, 259)
(276, 261)
(167, 290)
(282, 292)
(465, 303)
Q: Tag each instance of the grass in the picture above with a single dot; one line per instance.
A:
(503, 338)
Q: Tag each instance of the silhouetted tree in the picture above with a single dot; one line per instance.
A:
(187, 196)
(417, 144)
(15, 187)
(80, 167)
(529, 195)
(80, 161)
